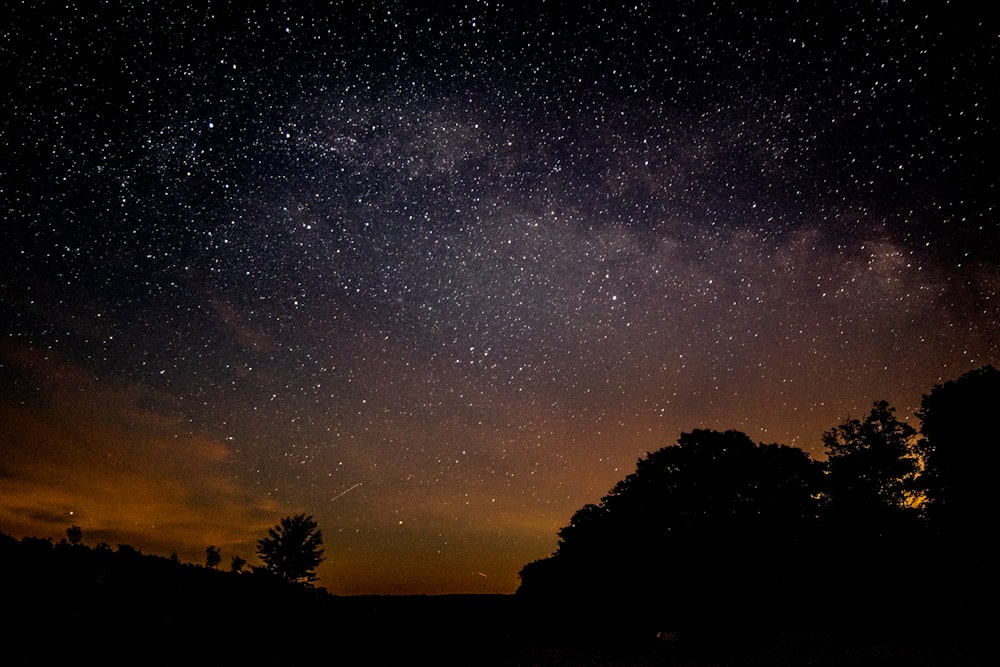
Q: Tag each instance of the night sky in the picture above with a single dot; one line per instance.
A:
(439, 277)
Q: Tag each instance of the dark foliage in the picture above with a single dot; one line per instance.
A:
(237, 564)
(293, 549)
(714, 527)
(74, 535)
(872, 467)
(872, 529)
(213, 557)
(961, 448)
(718, 533)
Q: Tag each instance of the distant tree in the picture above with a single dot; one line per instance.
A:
(128, 551)
(872, 468)
(961, 450)
(74, 535)
(37, 543)
(237, 564)
(213, 557)
(293, 549)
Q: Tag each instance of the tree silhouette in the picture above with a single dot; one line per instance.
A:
(713, 526)
(716, 532)
(872, 525)
(213, 557)
(74, 535)
(872, 466)
(293, 549)
(961, 448)
(237, 564)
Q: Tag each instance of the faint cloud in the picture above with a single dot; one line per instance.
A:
(89, 454)
(238, 326)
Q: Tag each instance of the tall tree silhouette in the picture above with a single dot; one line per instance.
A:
(236, 564)
(293, 549)
(872, 527)
(961, 448)
(872, 466)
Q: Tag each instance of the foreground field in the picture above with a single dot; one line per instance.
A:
(62, 603)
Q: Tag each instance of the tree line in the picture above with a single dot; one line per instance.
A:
(890, 532)
(292, 550)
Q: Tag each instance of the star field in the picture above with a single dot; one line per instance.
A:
(438, 277)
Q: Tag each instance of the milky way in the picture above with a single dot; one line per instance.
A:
(439, 277)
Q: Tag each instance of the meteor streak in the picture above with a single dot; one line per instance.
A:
(345, 492)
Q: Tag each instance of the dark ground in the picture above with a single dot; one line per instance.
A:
(63, 604)
(439, 630)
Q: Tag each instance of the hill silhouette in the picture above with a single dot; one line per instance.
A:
(64, 602)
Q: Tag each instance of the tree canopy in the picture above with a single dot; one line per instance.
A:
(961, 449)
(709, 486)
(213, 557)
(872, 466)
(713, 517)
(716, 528)
(293, 549)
